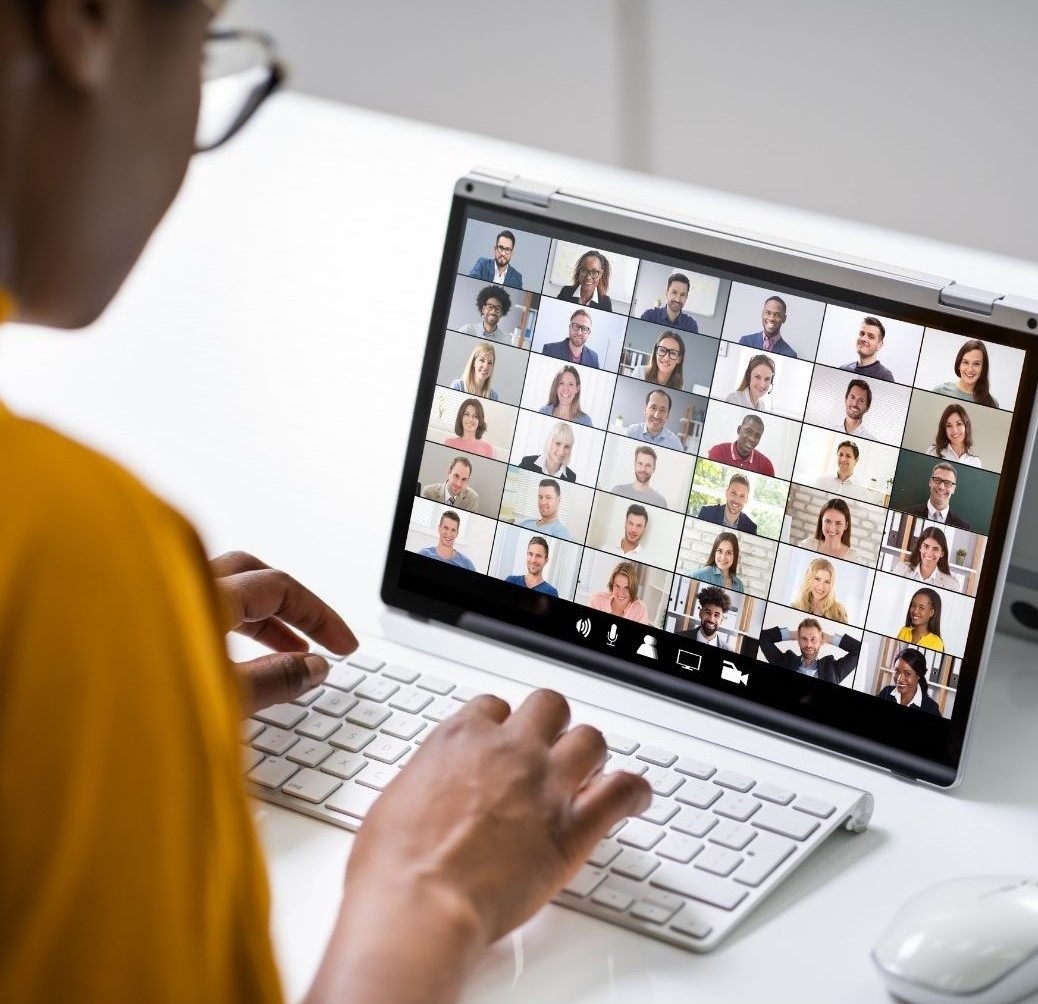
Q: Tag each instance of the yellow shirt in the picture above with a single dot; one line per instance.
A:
(929, 640)
(129, 869)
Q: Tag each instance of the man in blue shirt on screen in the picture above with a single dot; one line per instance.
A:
(536, 559)
(654, 429)
(447, 531)
(769, 338)
(672, 313)
(549, 496)
(498, 268)
(573, 348)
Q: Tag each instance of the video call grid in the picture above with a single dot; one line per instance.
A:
(531, 338)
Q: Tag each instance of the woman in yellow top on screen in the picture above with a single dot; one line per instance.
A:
(954, 438)
(564, 397)
(478, 373)
(754, 390)
(923, 620)
(817, 593)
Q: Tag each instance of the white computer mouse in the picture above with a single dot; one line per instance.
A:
(965, 941)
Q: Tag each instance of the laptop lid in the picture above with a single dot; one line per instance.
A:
(756, 479)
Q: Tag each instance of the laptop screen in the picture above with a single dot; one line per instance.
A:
(699, 465)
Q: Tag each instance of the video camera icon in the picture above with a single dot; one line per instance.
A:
(731, 673)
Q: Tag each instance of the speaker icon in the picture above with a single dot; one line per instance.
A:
(584, 626)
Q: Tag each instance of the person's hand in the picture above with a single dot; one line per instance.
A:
(267, 605)
(827, 639)
(495, 813)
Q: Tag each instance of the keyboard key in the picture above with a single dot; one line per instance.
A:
(272, 773)
(619, 744)
(352, 800)
(616, 763)
(305, 700)
(311, 785)
(692, 926)
(410, 701)
(644, 910)
(441, 708)
(734, 806)
(367, 714)
(365, 661)
(694, 768)
(402, 674)
(663, 782)
(352, 737)
(276, 742)
(718, 860)
(249, 729)
(815, 807)
(732, 835)
(694, 821)
(730, 779)
(606, 895)
(344, 765)
(376, 689)
(586, 881)
(699, 885)
(284, 716)
(635, 864)
(403, 726)
(334, 702)
(701, 794)
(465, 694)
(309, 753)
(640, 834)
(377, 775)
(773, 793)
(679, 847)
(343, 677)
(604, 853)
(785, 822)
(249, 758)
(386, 749)
(653, 754)
(763, 856)
(660, 810)
(435, 684)
(318, 726)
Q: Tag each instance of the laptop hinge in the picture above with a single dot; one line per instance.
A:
(979, 301)
(534, 193)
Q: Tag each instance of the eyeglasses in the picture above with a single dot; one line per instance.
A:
(942, 482)
(582, 329)
(668, 353)
(503, 248)
(590, 273)
(240, 70)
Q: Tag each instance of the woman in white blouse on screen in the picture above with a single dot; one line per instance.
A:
(754, 390)
(954, 439)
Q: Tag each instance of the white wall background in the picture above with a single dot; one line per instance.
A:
(916, 116)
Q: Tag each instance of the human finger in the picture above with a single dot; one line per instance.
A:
(606, 800)
(280, 677)
(256, 595)
(545, 713)
(274, 634)
(488, 706)
(233, 562)
(578, 754)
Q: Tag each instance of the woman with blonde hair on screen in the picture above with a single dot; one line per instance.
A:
(478, 372)
(564, 397)
(817, 593)
(621, 598)
(554, 460)
(758, 380)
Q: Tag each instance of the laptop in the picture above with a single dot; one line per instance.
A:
(757, 480)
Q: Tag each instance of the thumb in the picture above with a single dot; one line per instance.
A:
(279, 677)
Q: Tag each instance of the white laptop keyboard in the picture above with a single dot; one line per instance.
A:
(724, 828)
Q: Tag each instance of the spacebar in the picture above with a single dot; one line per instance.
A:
(696, 885)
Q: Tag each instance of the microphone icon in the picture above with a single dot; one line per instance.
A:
(611, 637)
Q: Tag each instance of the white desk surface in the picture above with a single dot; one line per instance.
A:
(257, 370)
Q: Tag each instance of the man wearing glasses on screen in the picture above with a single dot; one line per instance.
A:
(573, 348)
(498, 268)
(938, 506)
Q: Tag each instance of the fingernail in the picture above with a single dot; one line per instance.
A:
(316, 667)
